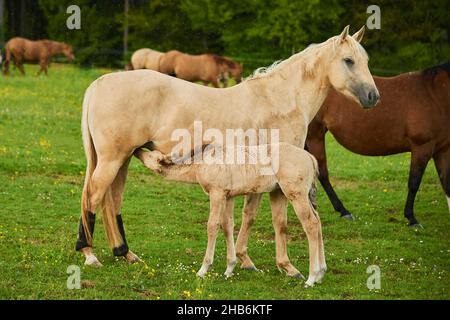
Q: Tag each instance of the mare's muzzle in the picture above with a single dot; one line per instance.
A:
(367, 94)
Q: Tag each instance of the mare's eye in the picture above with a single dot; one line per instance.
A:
(349, 62)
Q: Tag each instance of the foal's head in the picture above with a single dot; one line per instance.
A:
(348, 70)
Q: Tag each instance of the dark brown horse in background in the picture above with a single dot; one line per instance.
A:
(23, 50)
(413, 115)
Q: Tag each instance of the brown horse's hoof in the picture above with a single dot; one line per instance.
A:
(416, 225)
(349, 217)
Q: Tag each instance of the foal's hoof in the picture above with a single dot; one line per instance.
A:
(132, 258)
(250, 268)
(349, 217)
(298, 276)
(92, 261)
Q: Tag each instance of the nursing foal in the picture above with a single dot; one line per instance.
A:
(291, 169)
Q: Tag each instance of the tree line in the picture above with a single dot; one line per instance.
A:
(413, 34)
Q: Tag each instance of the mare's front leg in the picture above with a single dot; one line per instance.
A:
(249, 211)
(218, 203)
(228, 230)
(420, 155)
(278, 204)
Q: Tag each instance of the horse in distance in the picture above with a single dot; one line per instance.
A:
(22, 51)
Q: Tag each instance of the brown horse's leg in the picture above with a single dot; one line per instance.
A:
(118, 187)
(19, 65)
(420, 155)
(442, 163)
(315, 143)
(251, 205)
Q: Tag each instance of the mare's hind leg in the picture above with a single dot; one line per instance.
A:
(442, 163)
(218, 206)
(249, 211)
(420, 155)
(278, 204)
(118, 187)
(102, 178)
(228, 230)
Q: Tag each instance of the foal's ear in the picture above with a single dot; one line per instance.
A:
(359, 34)
(344, 34)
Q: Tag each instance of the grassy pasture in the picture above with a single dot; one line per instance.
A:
(41, 173)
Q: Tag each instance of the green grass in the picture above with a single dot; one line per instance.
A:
(41, 173)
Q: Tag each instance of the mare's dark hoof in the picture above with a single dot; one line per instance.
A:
(348, 217)
(416, 225)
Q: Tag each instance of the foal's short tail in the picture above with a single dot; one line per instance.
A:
(107, 203)
(313, 190)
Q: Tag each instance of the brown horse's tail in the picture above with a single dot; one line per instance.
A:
(7, 59)
(107, 203)
(313, 189)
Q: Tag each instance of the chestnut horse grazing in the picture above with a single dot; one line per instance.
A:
(208, 68)
(127, 110)
(292, 169)
(40, 51)
(412, 116)
(146, 59)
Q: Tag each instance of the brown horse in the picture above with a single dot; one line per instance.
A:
(23, 50)
(229, 68)
(207, 68)
(413, 116)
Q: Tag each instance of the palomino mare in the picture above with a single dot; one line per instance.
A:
(125, 111)
(40, 51)
(146, 59)
(412, 116)
(291, 169)
(208, 68)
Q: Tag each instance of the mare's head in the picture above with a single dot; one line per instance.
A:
(348, 70)
(67, 51)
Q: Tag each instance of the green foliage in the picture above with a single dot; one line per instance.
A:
(413, 35)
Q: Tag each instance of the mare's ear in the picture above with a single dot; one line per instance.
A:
(359, 34)
(344, 34)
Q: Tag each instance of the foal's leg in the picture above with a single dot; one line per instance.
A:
(278, 204)
(217, 208)
(228, 230)
(420, 155)
(249, 211)
(311, 224)
(442, 163)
